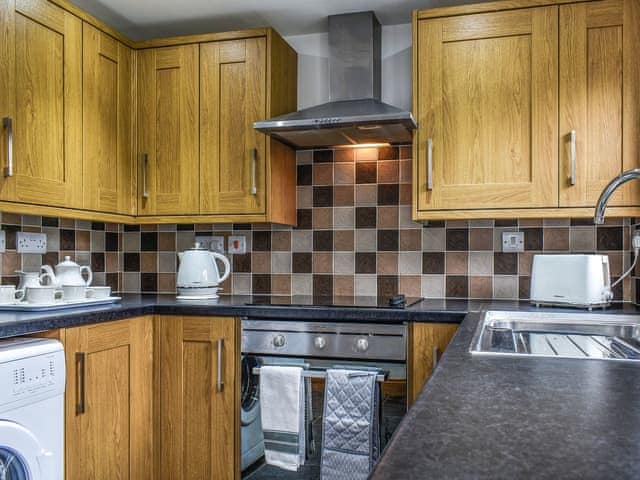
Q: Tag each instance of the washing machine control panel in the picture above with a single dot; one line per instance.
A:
(32, 377)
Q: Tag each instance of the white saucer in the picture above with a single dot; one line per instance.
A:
(197, 297)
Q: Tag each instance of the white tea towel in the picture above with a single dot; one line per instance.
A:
(282, 407)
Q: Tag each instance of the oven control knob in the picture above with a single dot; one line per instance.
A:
(362, 344)
(320, 342)
(279, 340)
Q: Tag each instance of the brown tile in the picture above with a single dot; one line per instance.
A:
(322, 262)
(530, 222)
(505, 263)
(149, 262)
(322, 156)
(261, 262)
(366, 195)
(14, 219)
(410, 285)
(281, 284)
(456, 286)
(148, 228)
(480, 287)
(405, 171)
(388, 217)
(111, 262)
(405, 194)
(457, 239)
(410, 240)
(457, 263)
(344, 155)
(366, 172)
(615, 263)
(343, 240)
(481, 239)
(343, 285)
(344, 174)
(525, 260)
(323, 241)
(281, 240)
(322, 285)
(388, 171)
(261, 284)
(365, 262)
(365, 217)
(388, 285)
(166, 283)
(166, 241)
(556, 239)
(323, 196)
(524, 288)
(406, 151)
(83, 240)
(387, 263)
(433, 262)
(323, 174)
(322, 218)
(10, 263)
(533, 239)
(609, 238)
(343, 195)
(51, 258)
(301, 262)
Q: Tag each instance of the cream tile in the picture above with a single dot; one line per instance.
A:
(301, 284)
(344, 263)
(166, 262)
(97, 241)
(365, 285)
(304, 157)
(480, 263)
(410, 263)
(433, 286)
(505, 287)
(280, 262)
(582, 239)
(301, 241)
(131, 241)
(131, 282)
(241, 283)
(344, 217)
(433, 239)
(53, 239)
(366, 240)
(304, 196)
(185, 240)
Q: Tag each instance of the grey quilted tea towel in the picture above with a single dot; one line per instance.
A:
(350, 430)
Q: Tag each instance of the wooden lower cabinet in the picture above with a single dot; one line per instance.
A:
(197, 398)
(109, 414)
(427, 342)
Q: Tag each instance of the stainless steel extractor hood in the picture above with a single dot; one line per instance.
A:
(355, 115)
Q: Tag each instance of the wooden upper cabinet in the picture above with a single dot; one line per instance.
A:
(198, 383)
(107, 109)
(599, 99)
(232, 153)
(109, 400)
(41, 58)
(487, 109)
(168, 130)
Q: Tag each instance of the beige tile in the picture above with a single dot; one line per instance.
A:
(343, 285)
(112, 263)
(457, 263)
(388, 217)
(481, 239)
(343, 195)
(388, 171)
(366, 195)
(410, 263)
(480, 263)
(301, 284)
(366, 240)
(304, 157)
(405, 193)
(505, 287)
(405, 171)
(582, 239)
(365, 285)
(167, 241)
(323, 174)
(410, 240)
(280, 262)
(480, 287)
(131, 282)
(167, 262)
(322, 217)
(301, 241)
(615, 263)
(433, 239)
(366, 154)
(149, 262)
(11, 262)
(97, 241)
(166, 283)
(322, 262)
(185, 240)
(411, 285)
(433, 286)
(261, 262)
(344, 173)
(525, 260)
(344, 217)
(387, 263)
(343, 240)
(281, 284)
(281, 241)
(304, 196)
(404, 218)
(131, 241)
(556, 239)
(344, 263)
(242, 283)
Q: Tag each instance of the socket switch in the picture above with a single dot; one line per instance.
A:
(237, 244)
(513, 241)
(30, 242)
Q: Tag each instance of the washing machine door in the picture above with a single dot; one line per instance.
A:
(250, 397)
(21, 456)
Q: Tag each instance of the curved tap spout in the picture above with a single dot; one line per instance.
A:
(601, 206)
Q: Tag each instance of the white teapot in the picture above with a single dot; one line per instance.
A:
(198, 273)
(69, 273)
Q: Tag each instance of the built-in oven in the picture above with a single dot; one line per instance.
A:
(318, 345)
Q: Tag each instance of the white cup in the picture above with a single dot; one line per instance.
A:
(74, 292)
(98, 292)
(9, 294)
(45, 294)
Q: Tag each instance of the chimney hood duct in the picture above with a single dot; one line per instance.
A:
(355, 115)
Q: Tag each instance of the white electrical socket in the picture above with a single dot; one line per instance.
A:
(30, 242)
(513, 241)
(3, 241)
(237, 244)
(215, 244)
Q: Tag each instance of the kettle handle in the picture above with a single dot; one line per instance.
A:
(227, 265)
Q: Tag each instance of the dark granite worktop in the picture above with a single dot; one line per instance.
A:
(428, 310)
(487, 417)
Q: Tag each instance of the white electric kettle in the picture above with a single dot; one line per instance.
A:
(198, 274)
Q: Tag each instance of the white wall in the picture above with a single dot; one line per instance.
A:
(313, 66)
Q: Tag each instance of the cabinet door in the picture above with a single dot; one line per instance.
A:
(109, 400)
(599, 92)
(427, 342)
(487, 106)
(107, 109)
(198, 385)
(41, 58)
(168, 130)
(232, 163)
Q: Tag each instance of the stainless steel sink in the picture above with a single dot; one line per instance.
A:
(565, 335)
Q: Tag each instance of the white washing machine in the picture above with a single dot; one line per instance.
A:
(32, 376)
(251, 436)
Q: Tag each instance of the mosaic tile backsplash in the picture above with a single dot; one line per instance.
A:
(354, 236)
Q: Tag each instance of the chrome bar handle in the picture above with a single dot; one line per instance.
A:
(435, 359)
(7, 122)
(429, 164)
(254, 161)
(572, 139)
(220, 381)
(80, 385)
(145, 163)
